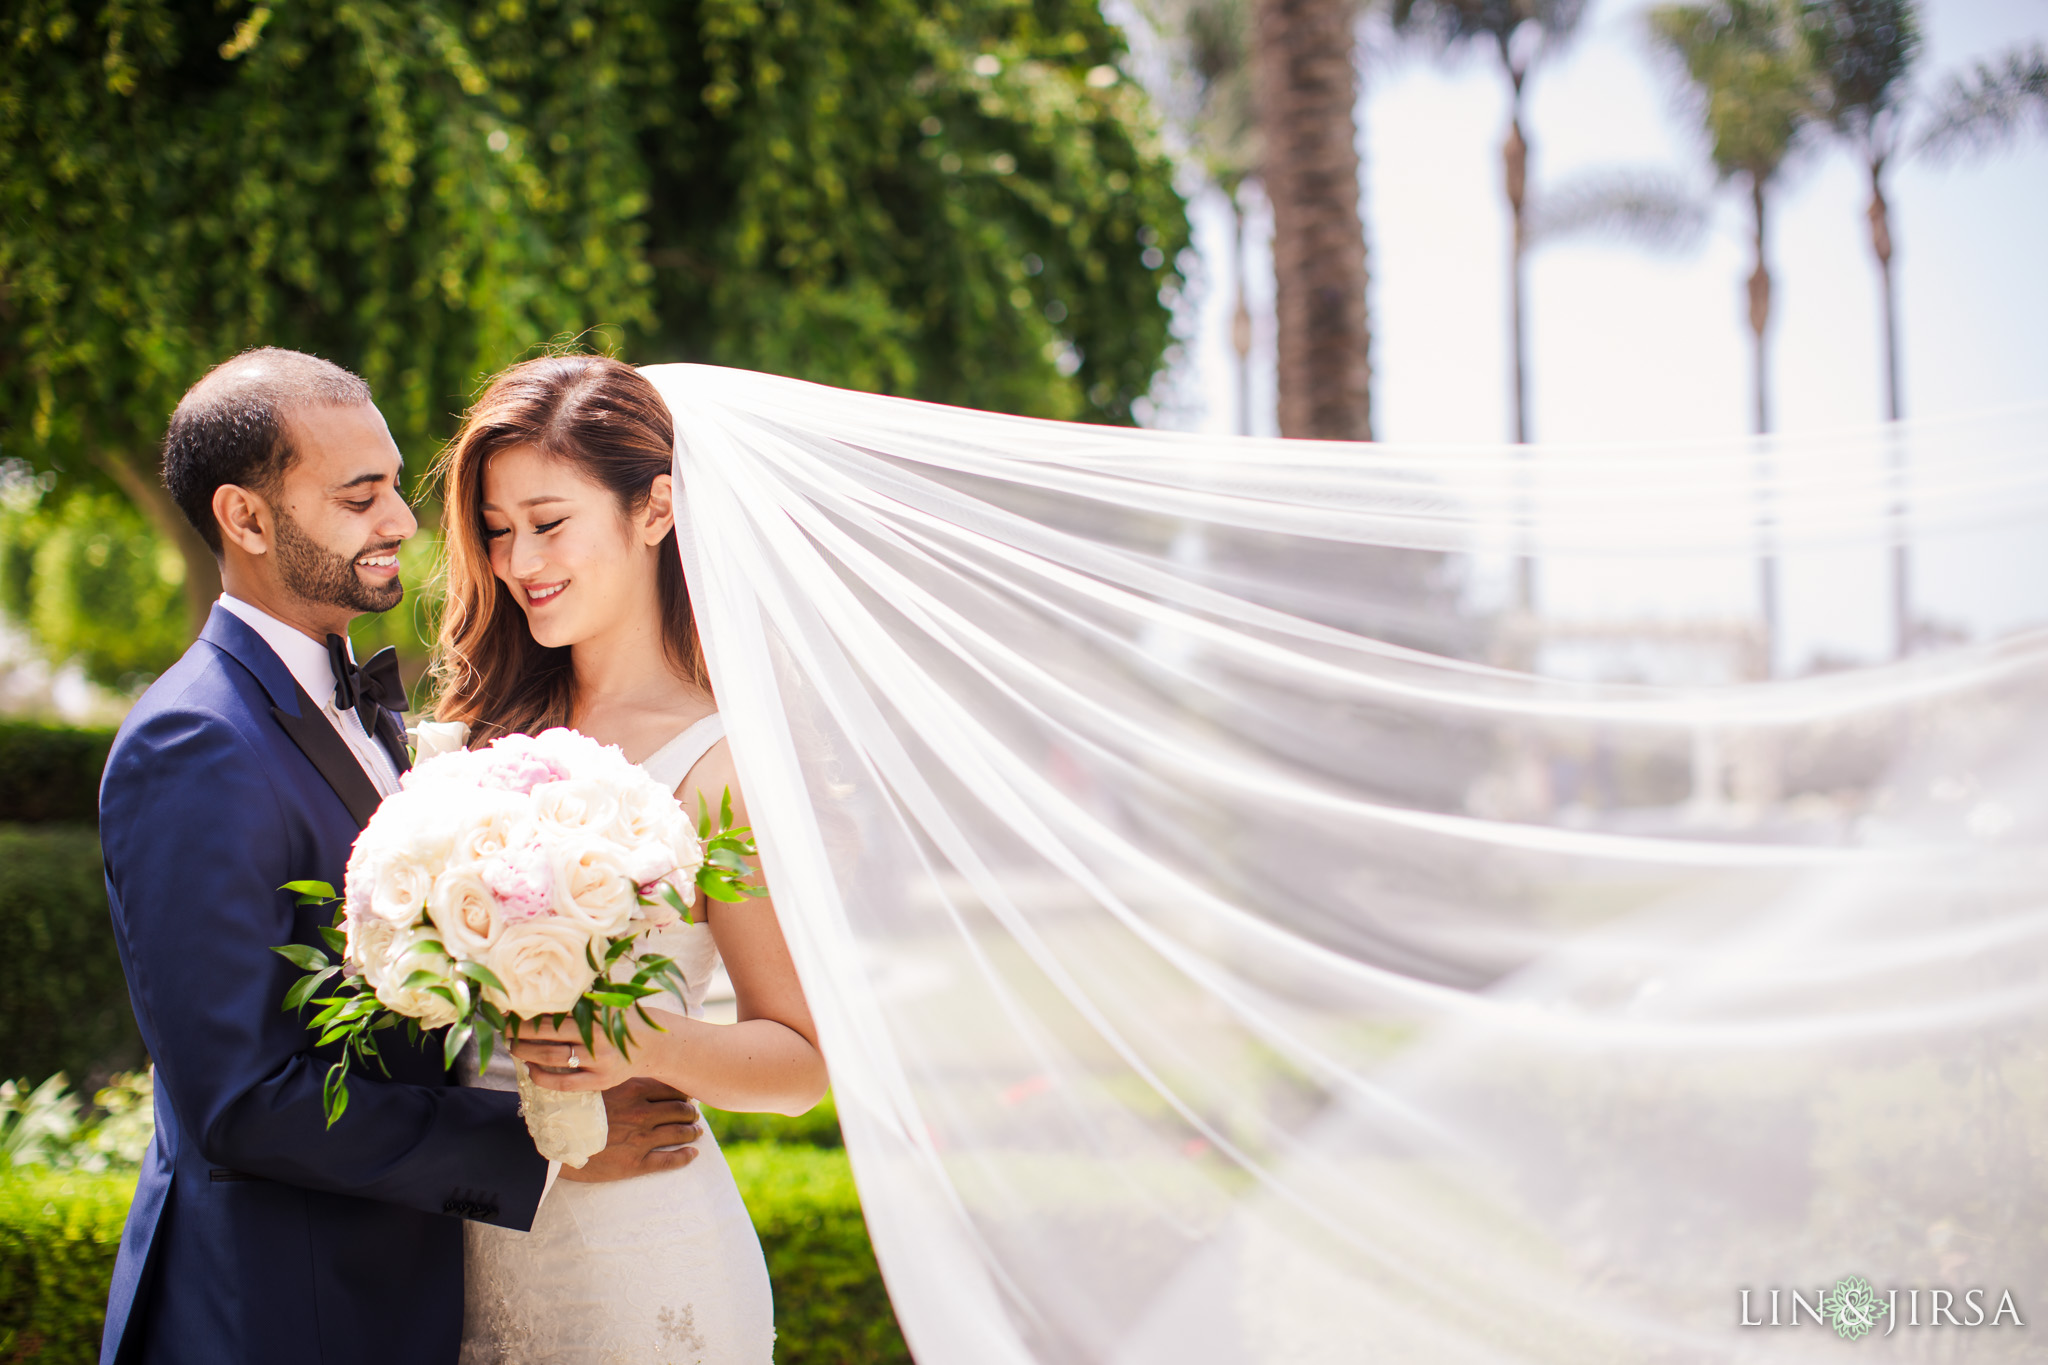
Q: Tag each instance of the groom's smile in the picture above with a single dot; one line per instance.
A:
(327, 550)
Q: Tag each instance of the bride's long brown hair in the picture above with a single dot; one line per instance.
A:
(605, 419)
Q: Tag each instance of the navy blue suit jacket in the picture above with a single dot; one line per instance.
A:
(259, 1234)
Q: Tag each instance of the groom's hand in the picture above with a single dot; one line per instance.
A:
(646, 1116)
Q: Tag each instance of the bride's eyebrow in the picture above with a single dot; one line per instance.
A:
(529, 502)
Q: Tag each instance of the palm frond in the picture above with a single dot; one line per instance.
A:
(1994, 104)
(1646, 209)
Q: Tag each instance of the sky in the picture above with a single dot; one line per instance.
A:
(1629, 345)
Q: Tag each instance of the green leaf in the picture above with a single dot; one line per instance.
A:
(486, 1040)
(302, 990)
(584, 1013)
(334, 1091)
(445, 994)
(725, 811)
(310, 893)
(482, 975)
(420, 978)
(334, 938)
(451, 1046)
(703, 817)
(675, 898)
(301, 956)
(721, 890)
(617, 1000)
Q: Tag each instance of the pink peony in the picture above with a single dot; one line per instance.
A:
(522, 880)
(517, 768)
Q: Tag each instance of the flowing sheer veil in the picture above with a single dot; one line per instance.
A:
(1224, 951)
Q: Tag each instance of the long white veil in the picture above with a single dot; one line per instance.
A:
(1221, 956)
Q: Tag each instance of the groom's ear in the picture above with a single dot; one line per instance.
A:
(244, 518)
(659, 518)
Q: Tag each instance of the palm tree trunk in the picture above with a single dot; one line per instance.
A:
(1902, 568)
(1759, 325)
(1241, 320)
(1307, 94)
(1515, 164)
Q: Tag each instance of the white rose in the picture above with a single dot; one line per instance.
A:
(415, 824)
(579, 805)
(658, 836)
(490, 822)
(661, 914)
(400, 892)
(367, 945)
(433, 738)
(465, 912)
(542, 965)
(592, 886)
(418, 1002)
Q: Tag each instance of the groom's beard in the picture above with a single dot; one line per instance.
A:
(314, 573)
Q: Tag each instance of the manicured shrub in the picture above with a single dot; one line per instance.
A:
(63, 999)
(831, 1307)
(59, 1232)
(49, 772)
(818, 1128)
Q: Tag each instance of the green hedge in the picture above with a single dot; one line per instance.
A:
(59, 1234)
(49, 772)
(63, 1000)
(58, 1237)
(817, 1128)
(830, 1305)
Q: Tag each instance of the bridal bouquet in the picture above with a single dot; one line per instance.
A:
(504, 885)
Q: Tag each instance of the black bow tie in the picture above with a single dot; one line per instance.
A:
(374, 684)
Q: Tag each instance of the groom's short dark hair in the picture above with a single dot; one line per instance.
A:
(230, 427)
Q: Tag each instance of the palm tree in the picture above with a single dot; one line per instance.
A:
(1863, 52)
(1306, 89)
(1749, 67)
(1211, 45)
(1519, 33)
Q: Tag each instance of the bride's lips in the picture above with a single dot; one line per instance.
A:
(540, 594)
(381, 564)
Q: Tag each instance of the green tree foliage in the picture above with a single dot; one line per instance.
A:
(963, 202)
(95, 583)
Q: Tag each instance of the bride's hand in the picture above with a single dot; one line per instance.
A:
(557, 1059)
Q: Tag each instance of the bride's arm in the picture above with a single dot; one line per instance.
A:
(766, 1062)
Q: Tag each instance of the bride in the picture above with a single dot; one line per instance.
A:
(567, 606)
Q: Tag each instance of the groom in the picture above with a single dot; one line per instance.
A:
(258, 1233)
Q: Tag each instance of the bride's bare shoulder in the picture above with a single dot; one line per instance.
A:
(713, 776)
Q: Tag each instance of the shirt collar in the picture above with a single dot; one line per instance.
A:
(300, 652)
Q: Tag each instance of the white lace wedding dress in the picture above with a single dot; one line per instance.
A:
(664, 1269)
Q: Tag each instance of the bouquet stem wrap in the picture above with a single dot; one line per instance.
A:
(568, 1126)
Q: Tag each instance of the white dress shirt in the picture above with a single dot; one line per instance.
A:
(307, 660)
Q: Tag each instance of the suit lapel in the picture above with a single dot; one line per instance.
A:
(391, 734)
(323, 745)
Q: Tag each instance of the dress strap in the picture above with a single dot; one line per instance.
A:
(671, 763)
